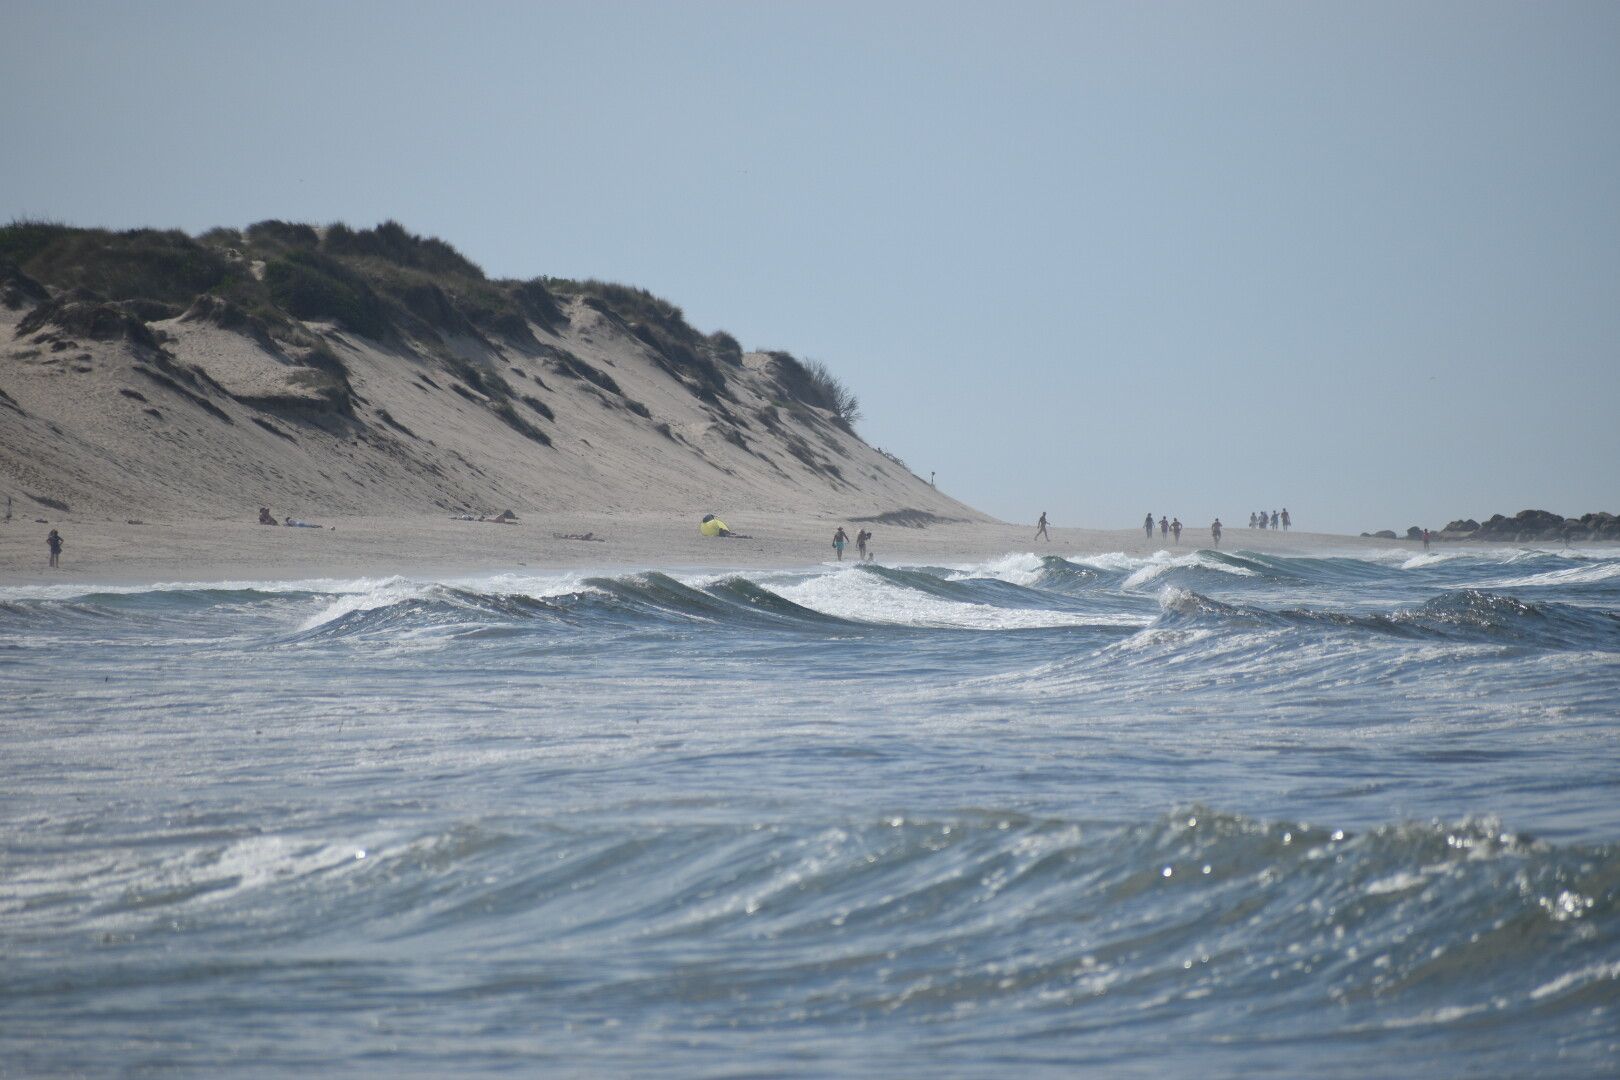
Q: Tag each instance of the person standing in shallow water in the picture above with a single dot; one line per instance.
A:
(54, 542)
(1040, 528)
(1215, 531)
(840, 538)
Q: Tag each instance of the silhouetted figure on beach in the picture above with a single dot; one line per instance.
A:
(1252, 516)
(1425, 539)
(860, 544)
(1285, 519)
(1164, 527)
(1175, 527)
(1040, 528)
(840, 538)
(54, 542)
(1274, 519)
(1147, 527)
(1215, 531)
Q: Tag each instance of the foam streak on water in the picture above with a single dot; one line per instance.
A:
(1330, 816)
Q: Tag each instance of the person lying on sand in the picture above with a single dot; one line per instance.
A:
(592, 537)
(294, 523)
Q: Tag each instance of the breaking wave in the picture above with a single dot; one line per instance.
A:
(840, 820)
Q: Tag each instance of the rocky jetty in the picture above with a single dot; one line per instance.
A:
(1536, 525)
(1526, 526)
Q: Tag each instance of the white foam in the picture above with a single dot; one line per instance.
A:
(1163, 562)
(301, 585)
(380, 594)
(1111, 560)
(1431, 558)
(198, 875)
(386, 591)
(1446, 1014)
(533, 586)
(1016, 568)
(1575, 978)
(1588, 574)
(1402, 881)
(860, 597)
(1155, 637)
(503, 584)
(1401, 556)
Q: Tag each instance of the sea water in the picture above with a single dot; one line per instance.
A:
(1199, 813)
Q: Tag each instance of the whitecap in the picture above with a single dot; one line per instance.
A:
(1588, 574)
(1593, 973)
(859, 597)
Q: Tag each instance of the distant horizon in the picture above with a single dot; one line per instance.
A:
(1088, 259)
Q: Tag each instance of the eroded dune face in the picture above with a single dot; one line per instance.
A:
(376, 372)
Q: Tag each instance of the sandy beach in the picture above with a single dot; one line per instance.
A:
(202, 550)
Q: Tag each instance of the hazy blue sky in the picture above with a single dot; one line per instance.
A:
(1359, 260)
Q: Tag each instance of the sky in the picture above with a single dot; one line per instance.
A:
(1361, 260)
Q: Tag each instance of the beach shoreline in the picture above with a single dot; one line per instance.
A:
(103, 552)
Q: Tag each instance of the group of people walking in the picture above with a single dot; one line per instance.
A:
(1166, 527)
(863, 538)
(1261, 520)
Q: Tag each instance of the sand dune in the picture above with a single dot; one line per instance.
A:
(215, 422)
(573, 404)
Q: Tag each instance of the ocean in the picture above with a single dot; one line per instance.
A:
(1199, 813)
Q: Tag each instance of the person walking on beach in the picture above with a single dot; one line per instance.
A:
(860, 543)
(1147, 526)
(1175, 527)
(1425, 539)
(1285, 520)
(840, 538)
(1040, 528)
(1215, 531)
(54, 542)
(1274, 519)
(1164, 527)
(1251, 519)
